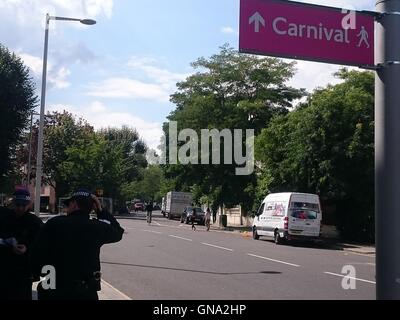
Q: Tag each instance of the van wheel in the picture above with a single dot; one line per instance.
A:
(169, 216)
(277, 238)
(255, 234)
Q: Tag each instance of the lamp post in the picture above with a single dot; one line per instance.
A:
(39, 161)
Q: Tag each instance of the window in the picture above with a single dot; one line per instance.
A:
(304, 214)
(304, 205)
(261, 210)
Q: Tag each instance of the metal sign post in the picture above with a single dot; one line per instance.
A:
(387, 150)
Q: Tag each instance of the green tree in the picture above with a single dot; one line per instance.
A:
(62, 131)
(148, 188)
(132, 147)
(326, 146)
(233, 91)
(94, 163)
(17, 100)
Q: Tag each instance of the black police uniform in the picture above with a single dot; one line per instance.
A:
(16, 279)
(71, 244)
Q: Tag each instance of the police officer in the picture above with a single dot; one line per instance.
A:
(71, 245)
(18, 231)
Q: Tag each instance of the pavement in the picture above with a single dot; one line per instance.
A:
(108, 292)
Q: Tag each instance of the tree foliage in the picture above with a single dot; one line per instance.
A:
(326, 146)
(17, 100)
(229, 91)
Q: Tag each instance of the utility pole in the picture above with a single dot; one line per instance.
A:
(28, 175)
(387, 149)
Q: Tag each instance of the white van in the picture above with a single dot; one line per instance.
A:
(289, 216)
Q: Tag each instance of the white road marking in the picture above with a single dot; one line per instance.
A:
(218, 247)
(180, 238)
(116, 290)
(344, 276)
(273, 260)
(151, 231)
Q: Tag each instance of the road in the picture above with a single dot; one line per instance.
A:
(168, 261)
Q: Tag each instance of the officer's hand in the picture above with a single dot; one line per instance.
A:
(20, 249)
(97, 204)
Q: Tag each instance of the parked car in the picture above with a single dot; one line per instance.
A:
(187, 215)
(139, 206)
(289, 216)
(156, 207)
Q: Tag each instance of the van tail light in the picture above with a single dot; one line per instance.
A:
(286, 224)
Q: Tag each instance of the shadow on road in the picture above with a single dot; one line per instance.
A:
(186, 270)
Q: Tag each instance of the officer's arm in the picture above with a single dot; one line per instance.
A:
(110, 230)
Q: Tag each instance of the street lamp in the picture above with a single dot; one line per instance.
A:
(39, 161)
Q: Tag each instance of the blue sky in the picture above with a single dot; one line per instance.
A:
(122, 70)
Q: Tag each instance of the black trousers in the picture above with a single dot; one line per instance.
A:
(16, 290)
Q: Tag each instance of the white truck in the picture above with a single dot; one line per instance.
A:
(176, 202)
(289, 216)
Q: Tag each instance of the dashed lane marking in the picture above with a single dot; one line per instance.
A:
(273, 260)
(176, 237)
(214, 246)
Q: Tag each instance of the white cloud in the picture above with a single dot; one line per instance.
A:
(160, 83)
(101, 116)
(34, 63)
(23, 23)
(57, 77)
(228, 30)
(150, 69)
(311, 75)
(128, 88)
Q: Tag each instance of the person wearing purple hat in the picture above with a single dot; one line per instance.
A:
(18, 230)
(71, 244)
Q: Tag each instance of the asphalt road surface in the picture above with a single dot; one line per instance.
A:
(168, 261)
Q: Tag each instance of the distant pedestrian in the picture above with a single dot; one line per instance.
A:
(71, 244)
(193, 219)
(18, 230)
(207, 219)
(214, 213)
(149, 210)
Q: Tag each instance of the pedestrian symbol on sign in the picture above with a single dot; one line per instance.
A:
(364, 37)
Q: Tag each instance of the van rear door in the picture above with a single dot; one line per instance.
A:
(304, 219)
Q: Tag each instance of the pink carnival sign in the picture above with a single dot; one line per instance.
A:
(309, 32)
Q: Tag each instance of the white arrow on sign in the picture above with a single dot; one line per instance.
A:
(257, 19)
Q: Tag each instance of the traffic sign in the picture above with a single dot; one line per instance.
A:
(297, 30)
